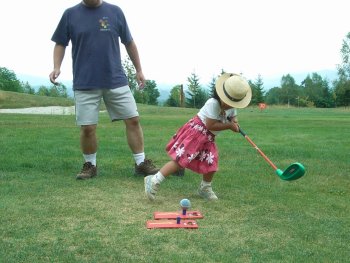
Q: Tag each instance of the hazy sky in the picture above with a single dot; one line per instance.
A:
(176, 38)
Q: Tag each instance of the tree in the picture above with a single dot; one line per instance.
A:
(58, 90)
(140, 96)
(197, 96)
(27, 88)
(130, 72)
(174, 97)
(289, 90)
(342, 84)
(152, 92)
(327, 101)
(43, 91)
(342, 92)
(344, 67)
(9, 81)
(257, 90)
(212, 87)
(273, 96)
(202, 97)
(316, 90)
(149, 94)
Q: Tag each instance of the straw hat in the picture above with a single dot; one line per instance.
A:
(233, 90)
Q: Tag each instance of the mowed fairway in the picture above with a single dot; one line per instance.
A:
(48, 216)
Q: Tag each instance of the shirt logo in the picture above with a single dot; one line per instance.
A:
(104, 25)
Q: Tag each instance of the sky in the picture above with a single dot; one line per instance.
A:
(176, 38)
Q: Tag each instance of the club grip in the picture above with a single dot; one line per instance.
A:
(242, 132)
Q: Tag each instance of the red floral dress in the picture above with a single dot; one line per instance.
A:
(193, 147)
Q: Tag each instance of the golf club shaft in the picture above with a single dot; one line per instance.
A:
(256, 147)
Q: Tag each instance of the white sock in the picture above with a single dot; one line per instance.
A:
(90, 158)
(205, 183)
(158, 178)
(139, 158)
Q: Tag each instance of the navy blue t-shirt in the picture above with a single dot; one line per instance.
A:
(94, 34)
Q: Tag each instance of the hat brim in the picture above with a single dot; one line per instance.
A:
(219, 86)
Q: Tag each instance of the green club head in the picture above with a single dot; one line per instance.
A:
(293, 172)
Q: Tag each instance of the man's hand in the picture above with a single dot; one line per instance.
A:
(54, 75)
(141, 81)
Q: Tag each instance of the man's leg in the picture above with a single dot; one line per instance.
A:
(87, 104)
(134, 135)
(88, 140)
(88, 144)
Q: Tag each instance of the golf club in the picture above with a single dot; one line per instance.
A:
(293, 171)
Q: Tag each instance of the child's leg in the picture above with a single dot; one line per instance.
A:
(169, 168)
(208, 177)
(205, 189)
(152, 182)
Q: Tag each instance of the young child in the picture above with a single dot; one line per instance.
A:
(193, 146)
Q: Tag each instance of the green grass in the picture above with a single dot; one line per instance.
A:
(13, 100)
(48, 216)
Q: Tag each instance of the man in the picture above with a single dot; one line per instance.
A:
(94, 28)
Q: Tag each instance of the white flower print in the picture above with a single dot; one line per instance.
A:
(202, 156)
(175, 145)
(180, 151)
(192, 156)
(210, 158)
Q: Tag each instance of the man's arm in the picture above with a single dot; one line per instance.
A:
(58, 55)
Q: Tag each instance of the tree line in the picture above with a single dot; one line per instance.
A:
(10, 82)
(314, 91)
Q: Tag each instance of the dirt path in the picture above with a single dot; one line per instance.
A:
(51, 110)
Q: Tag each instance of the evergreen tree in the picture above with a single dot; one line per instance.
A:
(212, 87)
(196, 95)
(257, 91)
(152, 92)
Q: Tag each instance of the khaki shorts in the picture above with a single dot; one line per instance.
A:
(120, 104)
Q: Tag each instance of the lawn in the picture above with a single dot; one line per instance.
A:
(13, 100)
(48, 216)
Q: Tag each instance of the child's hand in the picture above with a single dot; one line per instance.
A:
(233, 121)
(235, 126)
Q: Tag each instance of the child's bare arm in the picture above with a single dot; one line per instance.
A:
(216, 125)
